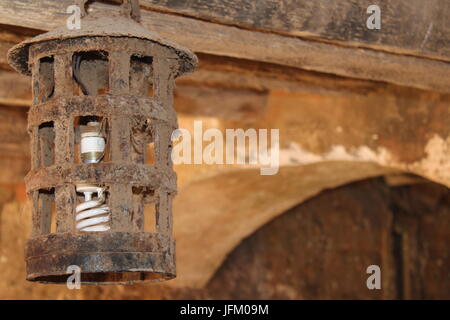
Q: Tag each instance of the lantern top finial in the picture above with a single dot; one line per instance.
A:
(98, 24)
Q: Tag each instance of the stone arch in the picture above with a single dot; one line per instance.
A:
(212, 216)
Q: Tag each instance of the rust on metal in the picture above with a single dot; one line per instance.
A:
(115, 70)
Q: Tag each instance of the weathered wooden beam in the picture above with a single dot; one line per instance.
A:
(414, 27)
(219, 103)
(231, 73)
(229, 41)
(217, 75)
(10, 36)
(234, 73)
(13, 133)
(225, 72)
(15, 89)
(4, 47)
(14, 145)
(190, 99)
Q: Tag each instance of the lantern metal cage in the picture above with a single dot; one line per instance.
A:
(108, 85)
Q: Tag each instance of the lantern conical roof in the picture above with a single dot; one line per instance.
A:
(100, 25)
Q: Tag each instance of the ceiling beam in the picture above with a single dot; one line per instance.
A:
(223, 40)
(216, 74)
(414, 27)
(15, 89)
(4, 47)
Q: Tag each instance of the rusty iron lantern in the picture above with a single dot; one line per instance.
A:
(102, 97)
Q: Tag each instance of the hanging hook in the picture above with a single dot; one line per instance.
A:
(131, 9)
(128, 8)
(82, 5)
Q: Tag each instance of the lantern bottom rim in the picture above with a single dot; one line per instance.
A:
(105, 278)
(101, 258)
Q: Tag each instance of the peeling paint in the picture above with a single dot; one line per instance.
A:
(435, 166)
(295, 155)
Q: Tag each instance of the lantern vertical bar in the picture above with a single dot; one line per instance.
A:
(139, 145)
(163, 214)
(119, 66)
(35, 69)
(34, 130)
(45, 212)
(35, 153)
(65, 196)
(63, 74)
(65, 199)
(121, 197)
(165, 82)
(138, 212)
(64, 140)
(119, 69)
(121, 202)
(36, 220)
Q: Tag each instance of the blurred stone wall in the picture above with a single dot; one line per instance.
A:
(317, 250)
(321, 248)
